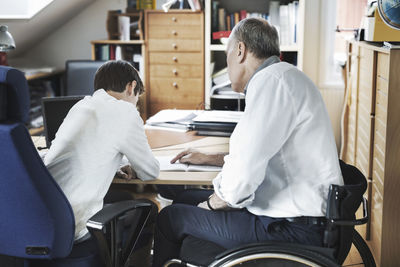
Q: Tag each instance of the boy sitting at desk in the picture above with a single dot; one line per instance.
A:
(90, 143)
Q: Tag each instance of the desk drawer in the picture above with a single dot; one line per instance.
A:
(175, 32)
(178, 89)
(178, 71)
(174, 58)
(173, 19)
(175, 45)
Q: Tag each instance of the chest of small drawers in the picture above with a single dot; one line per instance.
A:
(175, 60)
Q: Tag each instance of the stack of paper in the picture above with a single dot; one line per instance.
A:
(172, 119)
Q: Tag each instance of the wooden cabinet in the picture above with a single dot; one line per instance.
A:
(372, 141)
(175, 60)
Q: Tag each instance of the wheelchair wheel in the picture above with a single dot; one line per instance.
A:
(363, 249)
(274, 256)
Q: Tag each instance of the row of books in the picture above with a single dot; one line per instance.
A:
(283, 17)
(222, 21)
(108, 52)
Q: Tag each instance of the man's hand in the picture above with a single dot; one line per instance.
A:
(126, 172)
(214, 203)
(193, 156)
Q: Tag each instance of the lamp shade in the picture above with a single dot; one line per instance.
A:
(6, 40)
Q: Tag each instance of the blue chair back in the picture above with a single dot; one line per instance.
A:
(37, 221)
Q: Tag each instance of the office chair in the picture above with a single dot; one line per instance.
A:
(343, 202)
(80, 76)
(37, 223)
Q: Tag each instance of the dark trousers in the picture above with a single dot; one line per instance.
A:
(227, 229)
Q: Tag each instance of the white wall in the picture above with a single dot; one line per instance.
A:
(314, 31)
(72, 40)
(29, 32)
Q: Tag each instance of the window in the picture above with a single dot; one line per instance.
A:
(21, 9)
(348, 16)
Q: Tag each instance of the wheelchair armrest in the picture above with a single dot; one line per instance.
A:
(113, 211)
(360, 221)
(110, 250)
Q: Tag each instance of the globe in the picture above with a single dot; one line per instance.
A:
(390, 12)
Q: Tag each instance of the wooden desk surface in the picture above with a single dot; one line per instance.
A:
(167, 143)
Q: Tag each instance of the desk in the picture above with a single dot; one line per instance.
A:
(165, 143)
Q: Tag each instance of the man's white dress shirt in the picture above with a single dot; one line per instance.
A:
(282, 154)
(88, 148)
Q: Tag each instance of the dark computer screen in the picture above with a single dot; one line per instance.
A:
(55, 109)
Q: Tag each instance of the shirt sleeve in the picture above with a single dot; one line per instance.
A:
(267, 122)
(134, 145)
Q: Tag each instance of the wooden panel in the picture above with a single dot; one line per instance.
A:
(382, 85)
(390, 255)
(378, 175)
(173, 19)
(380, 127)
(376, 222)
(174, 32)
(175, 45)
(179, 71)
(174, 58)
(383, 66)
(366, 58)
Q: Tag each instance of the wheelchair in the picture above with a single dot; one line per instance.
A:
(339, 235)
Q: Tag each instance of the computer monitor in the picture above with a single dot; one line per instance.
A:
(54, 110)
(80, 76)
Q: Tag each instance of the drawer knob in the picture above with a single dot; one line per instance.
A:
(174, 71)
(175, 85)
(174, 32)
(175, 59)
(174, 46)
(173, 19)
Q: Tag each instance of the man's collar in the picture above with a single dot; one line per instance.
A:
(268, 62)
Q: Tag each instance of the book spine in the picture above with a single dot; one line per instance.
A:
(221, 34)
(243, 14)
(112, 52)
(214, 16)
(228, 22)
(236, 16)
(221, 19)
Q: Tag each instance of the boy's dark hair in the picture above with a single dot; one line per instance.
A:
(114, 75)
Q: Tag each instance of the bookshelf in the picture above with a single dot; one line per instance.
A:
(215, 53)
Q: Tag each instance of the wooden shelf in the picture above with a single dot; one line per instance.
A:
(117, 42)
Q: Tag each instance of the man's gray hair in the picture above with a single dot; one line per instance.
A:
(259, 36)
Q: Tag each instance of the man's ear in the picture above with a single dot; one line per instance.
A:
(241, 52)
(131, 86)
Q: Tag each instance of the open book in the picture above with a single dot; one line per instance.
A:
(165, 165)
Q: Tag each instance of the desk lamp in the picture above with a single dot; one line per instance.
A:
(6, 44)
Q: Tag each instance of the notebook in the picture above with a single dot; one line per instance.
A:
(165, 165)
(54, 110)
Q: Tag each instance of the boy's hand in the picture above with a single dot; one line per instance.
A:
(126, 172)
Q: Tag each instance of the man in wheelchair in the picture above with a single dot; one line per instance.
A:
(275, 180)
